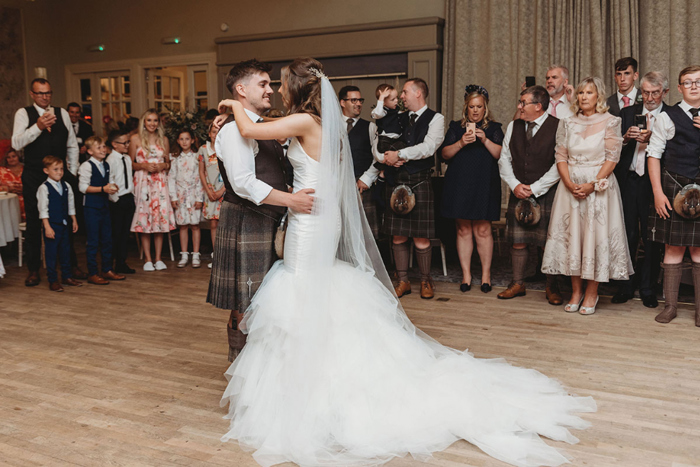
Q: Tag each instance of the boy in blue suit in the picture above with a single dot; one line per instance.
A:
(93, 181)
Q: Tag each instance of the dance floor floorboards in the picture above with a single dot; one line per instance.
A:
(131, 373)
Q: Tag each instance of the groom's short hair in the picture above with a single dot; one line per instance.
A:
(243, 70)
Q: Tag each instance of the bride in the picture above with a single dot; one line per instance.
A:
(333, 372)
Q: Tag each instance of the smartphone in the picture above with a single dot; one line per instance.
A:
(49, 110)
(640, 121)
(529, 81)
(470, 127)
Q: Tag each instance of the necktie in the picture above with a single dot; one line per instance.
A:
(350, 122)
(126, 175)
(412, 119)
(625, 101)
(694, 112)
(554, 105)
(75, 127)
(530, 130)
(642, 149)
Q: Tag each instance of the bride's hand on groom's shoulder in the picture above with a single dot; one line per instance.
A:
(219, 121)
(227, 104)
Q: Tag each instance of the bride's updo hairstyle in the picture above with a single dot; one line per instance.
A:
(303, 93)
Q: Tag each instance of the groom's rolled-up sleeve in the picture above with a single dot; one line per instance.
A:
(238, 155)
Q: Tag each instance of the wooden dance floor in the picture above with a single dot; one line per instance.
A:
(131, 373)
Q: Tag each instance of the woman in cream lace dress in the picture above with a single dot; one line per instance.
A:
(586, 238)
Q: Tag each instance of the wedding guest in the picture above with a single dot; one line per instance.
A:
(675, 140)
(424, 131)
(386, 115)
(586, 238)
(11, 177)
(559, 91)
(635, 187)
(150, 153)
(95, 185)
(627, 93)
(212, 183)
(81, 128)
(131, 126)
(362, 135)
(472, 191)
(41, 130)
(527, 166)
(121, 206)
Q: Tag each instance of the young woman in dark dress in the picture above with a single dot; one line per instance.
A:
(472, 193)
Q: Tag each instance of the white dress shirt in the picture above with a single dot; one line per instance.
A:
(563, 107)
(433, 139)
(85, 173)
(632, 95)
(238, 155)
(371, 174)
(505, 163)
(664, 129)
(23, 136)
(117, 176)
(639, 151)
(42, 198)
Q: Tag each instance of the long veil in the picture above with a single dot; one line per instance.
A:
(337, 200)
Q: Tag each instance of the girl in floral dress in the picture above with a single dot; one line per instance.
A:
(149, 151)
(186, 197)
(212, 183)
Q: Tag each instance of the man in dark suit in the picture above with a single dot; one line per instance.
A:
(627, 94)
(635, 187)
(81, 128)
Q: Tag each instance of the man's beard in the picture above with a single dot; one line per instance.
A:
(556, 90)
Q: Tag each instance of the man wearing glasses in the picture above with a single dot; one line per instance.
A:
(676, 141)
(361, 134)
(41, 131)
(122, 205)
(632, 174)
(527, 165)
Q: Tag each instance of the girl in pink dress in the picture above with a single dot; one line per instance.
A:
(150, 153)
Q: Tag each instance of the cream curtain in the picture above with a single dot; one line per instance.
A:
(497, 43)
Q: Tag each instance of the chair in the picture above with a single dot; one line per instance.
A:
(433, 242)
(20, 241)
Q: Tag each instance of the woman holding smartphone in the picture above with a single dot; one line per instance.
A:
(472, 193)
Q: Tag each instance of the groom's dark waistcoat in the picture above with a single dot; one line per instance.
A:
(269, 168)
(532, 159)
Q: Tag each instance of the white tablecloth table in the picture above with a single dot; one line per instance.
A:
(9, 218)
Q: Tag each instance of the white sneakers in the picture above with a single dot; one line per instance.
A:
(160, 266)
(148, 267)
(183, 259)
(196, 262)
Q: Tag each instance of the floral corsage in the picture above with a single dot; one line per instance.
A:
(600, 185)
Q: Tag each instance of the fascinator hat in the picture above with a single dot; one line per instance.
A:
(472, 88)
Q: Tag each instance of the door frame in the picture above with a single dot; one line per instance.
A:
(136, 68)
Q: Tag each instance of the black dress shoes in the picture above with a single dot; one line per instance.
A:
(465, 287)
(486, 288)
(124, 269)
(650, 301)
(621, 297)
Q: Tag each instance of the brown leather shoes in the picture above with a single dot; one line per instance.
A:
(72, 282)
(32, 279)
(79, 274)
(426, 289)
(112, 276)
(514, 290)
(55, 287)
(668, 315)
(553, 296)
(402, 288)
(97, 280)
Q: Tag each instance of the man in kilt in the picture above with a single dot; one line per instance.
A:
(254, 173)
(423, 132)
(527, 165)
(361, 134)
(675, 143)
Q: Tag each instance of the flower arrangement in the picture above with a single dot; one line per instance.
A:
(193, 121)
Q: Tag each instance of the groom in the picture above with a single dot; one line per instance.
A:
(254, 173)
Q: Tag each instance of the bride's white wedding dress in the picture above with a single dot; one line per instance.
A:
(356, 384)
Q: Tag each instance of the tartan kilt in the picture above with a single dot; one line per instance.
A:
(537, 235)
(244, 252)
(675, 230)
(370, 207)
(420, 222)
